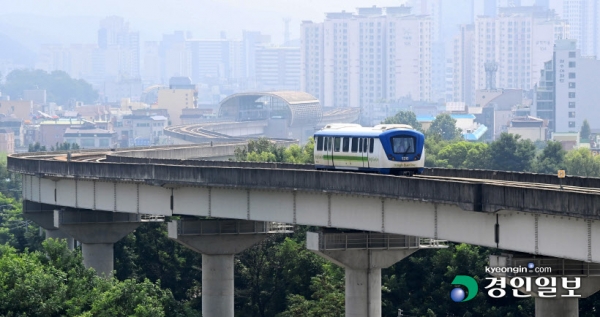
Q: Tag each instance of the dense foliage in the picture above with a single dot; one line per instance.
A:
(60, 87)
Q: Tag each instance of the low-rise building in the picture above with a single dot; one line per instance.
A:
(529, 128)
(569, 140)
(89, 137)
(7, 141)
(53, 131)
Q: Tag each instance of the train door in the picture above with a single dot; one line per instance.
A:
(365, 149)
(336, 148)
(329, 150)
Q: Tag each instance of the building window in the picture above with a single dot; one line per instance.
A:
(572, 114)
(103, 143)
(571, 64)
(571, 75)
(571, 104)
(571, 124)
(572, 55)
(88, 143)
(571, 95)
(571, 85)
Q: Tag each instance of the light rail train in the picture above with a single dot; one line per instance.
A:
(386, 148)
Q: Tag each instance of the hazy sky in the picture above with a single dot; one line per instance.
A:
(205, 18)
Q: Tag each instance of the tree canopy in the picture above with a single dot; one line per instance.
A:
(444, 126)
(60, 87)
(585, 132)
(404, 117)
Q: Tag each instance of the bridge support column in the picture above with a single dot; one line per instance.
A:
(59, 234)
(362, 255)
(97, 231)
(218, 241)
(44, 217)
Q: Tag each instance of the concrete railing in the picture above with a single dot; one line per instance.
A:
(577, 181)
(474, 195)
(346, 241)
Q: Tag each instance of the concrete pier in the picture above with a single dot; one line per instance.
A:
(218, 241)
(43, 216)
(98, 232)
(362, 255)
(59, 234)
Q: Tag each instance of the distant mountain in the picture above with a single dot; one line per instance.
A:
(16, 52)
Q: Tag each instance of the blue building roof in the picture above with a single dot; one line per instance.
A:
(463, 116)
(425, 118)
(475, 135)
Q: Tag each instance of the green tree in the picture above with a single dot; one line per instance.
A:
(327, 297)
(585, 132)
(463, 154)
(65, 146)
(265, 150)
(509, 153)
(581, 162)
(37, 147)
(59, 86)
(551, 159)
(444, 126)
(53, 282)
(404, 117)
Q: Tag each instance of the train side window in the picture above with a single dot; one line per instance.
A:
(354, 145)
(360, 147)
(327, 145)
(346, 144)
(336, 144)
(365, 145)
(319, 143)
(371, 145)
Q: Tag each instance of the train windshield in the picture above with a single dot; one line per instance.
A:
(403, 144)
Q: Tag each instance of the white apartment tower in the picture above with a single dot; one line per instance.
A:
(519, 41)
(374, 56)
(584, 20)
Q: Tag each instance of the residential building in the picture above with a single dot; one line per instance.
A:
(363, 59)
(53, 131)
(144, 130)
(277, 68)
(7, 141)
(515, 42)
(20, 109)
(584, 18)
(568, 94)
(176, 99)
(529, 128)
(89, 137)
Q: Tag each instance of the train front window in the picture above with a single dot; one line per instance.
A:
(403, 145)
(371, 145)
(319, 143)
(336, 144)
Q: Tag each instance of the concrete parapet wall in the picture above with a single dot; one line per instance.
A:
(514, 176)
(469, 195)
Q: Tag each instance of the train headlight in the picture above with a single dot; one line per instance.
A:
(390, 157)
(417, 157)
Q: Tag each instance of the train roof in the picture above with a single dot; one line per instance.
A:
(348, 129)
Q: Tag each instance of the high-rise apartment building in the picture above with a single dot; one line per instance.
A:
(373, 56)
(120, 47)
(463, 65)
(519, 40)
(584, 21)
(277, 68)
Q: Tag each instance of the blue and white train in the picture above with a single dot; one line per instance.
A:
(386, 148)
